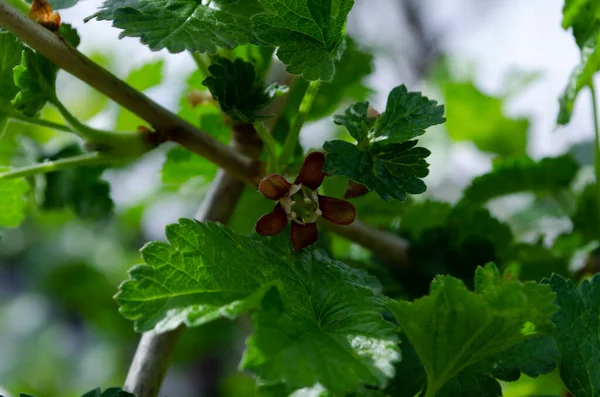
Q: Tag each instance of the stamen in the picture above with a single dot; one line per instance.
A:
(293, 215)
(307, 200)
(319, 212)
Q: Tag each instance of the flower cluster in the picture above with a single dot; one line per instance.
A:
(300, 204)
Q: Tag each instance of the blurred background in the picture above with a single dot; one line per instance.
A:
(499, 66)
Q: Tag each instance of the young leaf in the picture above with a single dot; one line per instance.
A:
(520, 174)
(309, 34)
(10, 57)
(12, 200)
(36, 77)
(576, 334)
(385, 159)
(183, 24)
(80, 189)
(453, 328)
(584, 17)
(480, 118)
(329, 322)
(239, 90)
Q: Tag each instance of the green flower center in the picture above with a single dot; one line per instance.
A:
(301, 205)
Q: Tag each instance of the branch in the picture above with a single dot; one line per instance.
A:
(153, 355)
(168, 125)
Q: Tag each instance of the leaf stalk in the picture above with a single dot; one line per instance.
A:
(292, 139)
(66, 163)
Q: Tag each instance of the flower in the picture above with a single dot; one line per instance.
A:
(300, 203)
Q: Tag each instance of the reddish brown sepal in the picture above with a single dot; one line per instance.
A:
(311, 174)
(274, 186)
(303, 235)
(337, 211)
(41, 12)
(355, 190)
(272, 223)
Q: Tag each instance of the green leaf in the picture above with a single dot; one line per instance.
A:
(328, 321)
(391, 170)
(533, 357)
(410, 376)
(309, 34)
(80, 189)
(453, 328)
(36, 77)
(468, 384)
(182, 165)
(407, 115)
(384, 159)
(479, 118)
(12, 200)
(521, 174)
(183, 24)
(239, 90)
(146, 76)
(576, 334)
(10, 57)
(581, 77)
(423, 216)
(584, 17)
(586, 218)
(143, 78)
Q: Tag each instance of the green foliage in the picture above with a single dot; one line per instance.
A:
(576, 334)
(586, 218)
(478, 117)
(143, 78)
(80, 189)
(12, 200)
(183, 24)
(453, 241)
(36, 78)
(309, 34)
(550, 175)
(384, 159)
(11, 50)
(241, 93)
(453, 328)
(583, 16)
(183, 282)
(182, 165)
